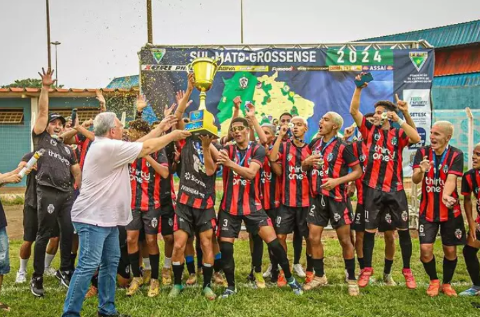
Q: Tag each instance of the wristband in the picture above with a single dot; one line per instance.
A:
(400, 121)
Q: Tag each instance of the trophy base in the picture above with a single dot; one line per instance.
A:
(197, 128)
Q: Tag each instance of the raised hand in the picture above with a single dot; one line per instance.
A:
(250, 111)
(206, 140)
(191, 82)
(168, 111)
(358, 78)
(167, 123)
(237, 102)
(425, 164)
(141, 102)
(392, 116)
(180, 135)
(47, 80)
(348, 132)
(101, 100)
(402, 105)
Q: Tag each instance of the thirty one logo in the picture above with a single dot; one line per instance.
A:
(418, 59)
(158, 54)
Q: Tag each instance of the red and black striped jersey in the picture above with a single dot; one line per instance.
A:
(84, 144)
(271, 184)
(145, 183)
(359, 149)
(450, 162)
(295, 181)
(471, 184)
(336, 159)
(196, 189)
(241, 196)
(384, 169)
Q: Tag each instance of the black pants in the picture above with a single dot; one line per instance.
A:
(54, 206)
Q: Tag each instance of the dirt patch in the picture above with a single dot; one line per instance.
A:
(15, 221)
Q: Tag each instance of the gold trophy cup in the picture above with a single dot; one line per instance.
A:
(201, 120)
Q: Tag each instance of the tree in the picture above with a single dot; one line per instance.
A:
(27, 83)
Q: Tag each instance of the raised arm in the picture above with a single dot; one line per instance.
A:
(250, 113)
(412, 133)
(273, 156)
(156, 144)
(210, 167)
(42, 116)
(403, 107)
(355, 103)
(164, 126)
(183, 100)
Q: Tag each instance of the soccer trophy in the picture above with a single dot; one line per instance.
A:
(201, 120)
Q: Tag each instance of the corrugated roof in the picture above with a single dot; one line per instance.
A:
(66, 91)
(459, 60)
(443, 36)
(126, 82)
(472, 79)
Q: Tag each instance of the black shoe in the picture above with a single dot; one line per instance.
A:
(64, 277)
(115, 315)
(36, 286)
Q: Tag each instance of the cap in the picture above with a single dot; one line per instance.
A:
(54, 116)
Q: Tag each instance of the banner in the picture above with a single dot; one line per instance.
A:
(303, 81)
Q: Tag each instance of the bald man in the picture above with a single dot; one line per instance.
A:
(437, 167)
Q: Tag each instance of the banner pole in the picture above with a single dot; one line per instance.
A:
(149, 22)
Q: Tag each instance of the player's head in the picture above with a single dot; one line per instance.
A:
(299, 126)
(269, 130)
(476, 156)
(56, 124)
(137, 129)
(369, 117)
(330, 122)
(285, 118)
(440, 135)
(240, 130)
(381, 107)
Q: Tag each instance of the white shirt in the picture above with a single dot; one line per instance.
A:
(105, 195)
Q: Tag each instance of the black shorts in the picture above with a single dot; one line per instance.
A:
(290, 217)
(148, 220)
(272, 214)
(452, 231)
(377, 204)
(324, 209)
(386, 222)
(193, 220)
(124, 264)
(30, 224)
(166, 217)
(229, 225)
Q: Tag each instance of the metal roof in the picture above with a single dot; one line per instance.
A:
(472, 79)
(443, 36)
(126, 82)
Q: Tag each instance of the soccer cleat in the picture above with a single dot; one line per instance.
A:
(21, 277)
(309, 277)
(250, 277)
(92, 292)
(295, 286)
(268, 272)
(36, 286)
(298, 269)
(209, 294)
(316, 282)
(175, 291)
(146, 276)
(353, 289)
(364, 277)
(259, 281)
(134, 286)
(64, 277)
(409, 279)
(154, 288)
(228, 292)
(50, 271)
(433, 288)
(388, 280)
(219, 280)
(192, 279)
(472, 291)
(448, 290)
(166, 276)
(281, 282)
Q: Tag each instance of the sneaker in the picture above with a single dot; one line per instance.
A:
(472, 291)
(36, 286)
(268, 272)
(146, 276)
(134, 286)
(388, 280)
(154, 288)
(219, 280)
(175, 291)
(316, 282)
(50, 271)
(448, 290)
(21, 277)
(433, 288)
(114, 315)
(250, 277)
(298, 269)
(296, 287)
(64, 277)
(192, 279)
(92, 292)
(353, 289)
(209, 294)
(166, 276)
(259, 281)
(309, 277)
(364, 277)
(281, 282)
(228, 292)
(409, 279)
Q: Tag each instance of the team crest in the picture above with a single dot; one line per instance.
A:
(158, 54)
(127, 269)
(53, 142)
(50, 209)
(476, 190)
(445, 168)
(404, 215)
(418, 59)
(394, 141)
(330, 157)
(289, 157)
(148, 164)
(388, 218)
(170, 222)
(458, 234)
(376, 136)
(154, 222)
(67, 150)
(362, 158)
(336, 217)
(243, 82)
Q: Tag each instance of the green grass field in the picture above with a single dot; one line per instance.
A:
(331, 300)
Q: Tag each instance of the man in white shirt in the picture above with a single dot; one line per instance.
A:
(104, 204)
